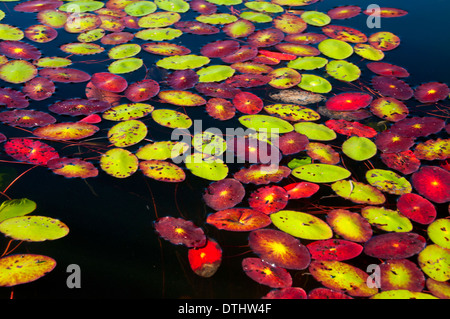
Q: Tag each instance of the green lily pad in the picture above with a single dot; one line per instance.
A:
(126, 65)
(91, 35)
(301, 225)
(207, 167)
(179, 6)
(11, 33)
(439, 232)
(80, 48)
(320, 173)
(52, 62)
(130, 111)
(335, 49)
(140, 8)
(119, 162)
(158, 34)
(161, 170)
(358, 192)
(183, 62)
(284, 78)
(23, 268)
(225, 2)
(368, 52)
(315, 83)
(292, 112)
(172, 119)
(259, 122)
(315, 131)
(33, 228)
(257, 17)
(127, 133)
(17, 71)
(159, 19)
(343, 70)
(16, 207)
(262, 6)
(316, 18)
(351, 226)
(434, 261)
(209, 143)
(359, 148)
(308, 63)
(126, 50)
(162, 150)
(342, 277)
(386, 219)
(215, 73)
(216, 18)
(81, 6)
(388, 181)
(402, 294)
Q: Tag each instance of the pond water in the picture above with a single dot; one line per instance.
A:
(112, 238)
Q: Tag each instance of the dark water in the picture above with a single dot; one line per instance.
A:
(111, 221)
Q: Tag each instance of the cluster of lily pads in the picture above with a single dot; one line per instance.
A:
(273, 68)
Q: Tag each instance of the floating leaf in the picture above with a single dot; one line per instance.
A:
(122, 51)
(224, 194)
(180, 231)
(320, 173)
(315, 131)
(182, 98)
(346, 34)
(315, 18)
(205, 261)
(325, 293)
(130, 111)
(301, 225)
(314, 83)
(72, 167)
(386, 219)
(10, 33)
(80, 48)
(404, 162)
(248, 103)
(126, 65)
(416, 208)
(210, 168)
(418, 126)
(278, 248)
(342, 277)
(389, 109)
(433, 183)
(308, 63)
(392, 87)
(171, 118)
(265, 37)
(65, 75)
(23, 268)
(17, 71)
(297, 49)
(286, 293)
(402, 294)
(334, 249)
(76, 106)
(433, 150)
(39, 88)
(239, 29)
(368, 52)
(16, 207)
(292, 112)
(217, 18)
(434, 261)
(165, 48)
(359, 148)
(301, 190)
(268, 199)
(438, 232)
(238, 219)
(343, 70)
(389, 142)
(335, 49)
(33, 228)
(384, 40)
(395, 245)
(209, 143)
(182, 79)
(388, 69)
(119, 163)
(162, 171)
(127, 133)
(431, 92)
(220, 109)
(388, 181)
(351, 128)
(159, 19)
(26, 118)
(66, 131)
(262, 174)
(351, 226)
(141, 91)
(358, 192)
(401, 274)
(19, 50)
(215, 73)
(266, 274)
(140, 8)
(30, 151)
(162, 150)
(266, 123)
(183, 62)
(292, 143)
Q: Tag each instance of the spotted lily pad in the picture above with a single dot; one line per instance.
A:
(438, 232)
(65, 131)
(119, 163)
(334, 249)
(30, 151)
(386, 219)
(320, 173)
(127, 133)
(72, 167)
(180, 231)
(130, 111)
(292, 112)
(301, 225)
(388, 181)
(161, 170)
(33, 228)
(351, 226)
(434, 261)
(19, 269)
(358, 192)
(265, 273)
(210, 168)
(395, 245)
(262, 174)
(238, 219)
(171, 118)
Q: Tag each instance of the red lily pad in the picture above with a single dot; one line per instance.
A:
(220, 109)
(115, 38)
(301, 190)
(205, 261)
(385, 12)
(218, 90)
(254, 150)
(279, 248)
(384, 40)
(416, 208)
(219, 48)
(266, 274)
(94, 93)
(297, 49)
(344, 12)
(39, 88)
(401, 274)
(196, 27)
(389, 108)
(72, 167)
(19, 50)
(248, 103)
(292, 143)
(37, 5)
(326, 293)
(348, 101)
(65, 75)
(182, 79)
(40, 33)
(268, 199)
(351, 128)
(278, 55)
(238, 219)
(405, 162)
(286, 293)
(323, 153)
(203, 7)
(265, 37)
(77, 106)
(13, 99)
(431, 92)
(343, 33)
(248, 80)
(387, 69)
(109, 82)
(223, 194)
(418, 126)
(26, 118)
(30, 151)
(66, 131)
(262, 174)
(392, 87)
(394, 245)
(305, 38)
(433, 183)
(142, 90)
(243, 54)
(290, 23)
(390, 142)
(334, 249)
(179, 231)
